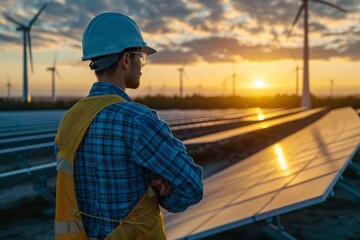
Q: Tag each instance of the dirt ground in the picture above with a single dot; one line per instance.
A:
(24, 215)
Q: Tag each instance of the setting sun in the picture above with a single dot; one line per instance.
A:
(259, 83)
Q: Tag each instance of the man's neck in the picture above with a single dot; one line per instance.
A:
(113, 79)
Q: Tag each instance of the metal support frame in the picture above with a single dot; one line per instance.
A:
(345, 187)
(276, 230)
(355, 167)
(41, 187)
(20, 161)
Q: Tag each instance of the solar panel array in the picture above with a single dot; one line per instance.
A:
(44, 142)
(250, 128)
(296, 172)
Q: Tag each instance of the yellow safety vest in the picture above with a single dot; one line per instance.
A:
(145, 220)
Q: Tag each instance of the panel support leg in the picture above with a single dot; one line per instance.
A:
(20, 161)
(42, 188)
(355, 167)
(348, 189)
(276, 230)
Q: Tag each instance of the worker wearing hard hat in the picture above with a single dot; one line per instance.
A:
(116, 160)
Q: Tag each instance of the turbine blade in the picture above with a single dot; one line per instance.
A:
(331, 5)
(58, 74)
(226, 79)
(185, 75)
(37, 15)
(288, 74)
(55, 57)
(14, 21)
(293, 56)
(30, 51)
(295, 20)
(185, 60)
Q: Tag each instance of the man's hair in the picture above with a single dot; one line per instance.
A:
(112, 66)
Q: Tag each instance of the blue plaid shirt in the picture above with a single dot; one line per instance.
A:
(124, 147)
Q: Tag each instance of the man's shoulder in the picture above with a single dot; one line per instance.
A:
(132, 109)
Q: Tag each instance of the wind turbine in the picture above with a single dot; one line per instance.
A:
(200, 87)
(26, 41)
(9, 86)
(331, 86)
(305, 99)
(182, 72)
(297, 68)
(233, 77)
(149, 89)
(53, 72)
(164, 88)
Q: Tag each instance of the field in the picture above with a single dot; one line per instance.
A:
(30, 217)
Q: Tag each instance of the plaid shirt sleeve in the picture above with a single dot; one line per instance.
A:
(157, 150)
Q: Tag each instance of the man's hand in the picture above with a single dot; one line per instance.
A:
(161, 185)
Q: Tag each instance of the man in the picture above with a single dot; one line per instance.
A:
(116, 160)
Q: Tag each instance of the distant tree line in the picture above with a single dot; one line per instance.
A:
(200, 102)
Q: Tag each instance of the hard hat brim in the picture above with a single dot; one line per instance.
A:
(148, 50)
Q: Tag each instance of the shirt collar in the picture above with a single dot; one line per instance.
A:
(104, 88)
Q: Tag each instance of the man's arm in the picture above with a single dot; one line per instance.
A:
(166, 156)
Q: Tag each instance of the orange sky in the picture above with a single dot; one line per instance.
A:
(210, 35)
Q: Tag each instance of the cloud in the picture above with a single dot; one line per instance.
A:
(8, 38)
(217, 49)
(202, 30)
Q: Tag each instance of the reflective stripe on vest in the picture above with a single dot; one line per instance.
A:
(68, 227)
(64, 165)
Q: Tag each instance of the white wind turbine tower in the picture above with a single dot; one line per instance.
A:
(26, 41)
(233, 77)
(182, 72)
(53, 72)
(305, 99)
(163, 88)
(149, 89)
(9, 86)
(331, 86)
(200, 87)
(297, 68)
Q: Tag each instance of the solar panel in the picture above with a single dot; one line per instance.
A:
(262, 116)
(253, 127)
(27, 174)
(218, 136)
(233, 118)
(27, 138)
(296, 172)
(27, 148)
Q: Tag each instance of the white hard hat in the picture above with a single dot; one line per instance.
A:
(110, 33)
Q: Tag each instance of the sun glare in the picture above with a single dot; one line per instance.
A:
(259, 83)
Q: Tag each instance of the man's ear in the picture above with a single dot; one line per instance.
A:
(125, 60)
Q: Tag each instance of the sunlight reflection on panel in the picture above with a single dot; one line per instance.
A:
(260, 115)
(280, 157)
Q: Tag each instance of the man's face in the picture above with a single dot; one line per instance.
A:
(133, 80)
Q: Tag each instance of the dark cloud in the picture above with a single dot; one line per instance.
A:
(218, 49)
(174, 57)
(65, 22)
(157, 26)
(8, 38)
(317, 27)
(215, 8)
